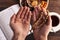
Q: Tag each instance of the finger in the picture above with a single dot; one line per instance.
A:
(44, 11)
(47, 11)
(34, 16)
(39, 9)
(39, 21)
(24, 11)
(29, 16)
(47, 26)
(49, 21)
(36, 12)
(26, 14)
(12, 20)
(20, 12)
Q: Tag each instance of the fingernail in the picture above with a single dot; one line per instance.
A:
(30, 13)
(26, 7)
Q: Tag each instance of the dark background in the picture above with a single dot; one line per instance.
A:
(54, 6)
(6, 3)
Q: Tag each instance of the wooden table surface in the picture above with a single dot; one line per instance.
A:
(6, 3)
(54, 6)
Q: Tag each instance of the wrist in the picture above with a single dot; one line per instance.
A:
(18, 36)
(39, 36)
(43, 37)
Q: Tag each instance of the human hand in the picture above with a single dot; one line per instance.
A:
(20, 22)
(41, 32)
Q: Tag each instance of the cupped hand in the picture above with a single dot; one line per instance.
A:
(20, 22)
(38, 30)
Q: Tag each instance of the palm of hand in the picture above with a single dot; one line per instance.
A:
(20, 23)
(39, 30)
(20, 26)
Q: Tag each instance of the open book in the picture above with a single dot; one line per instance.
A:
(5, 16)
(5, 19)
(2, 36)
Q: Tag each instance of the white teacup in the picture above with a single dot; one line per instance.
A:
(55, 21)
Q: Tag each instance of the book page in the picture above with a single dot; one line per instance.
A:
(2, 36)
(5, 16)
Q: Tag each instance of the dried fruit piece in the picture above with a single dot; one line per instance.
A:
(43, 4)
(34, 3)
